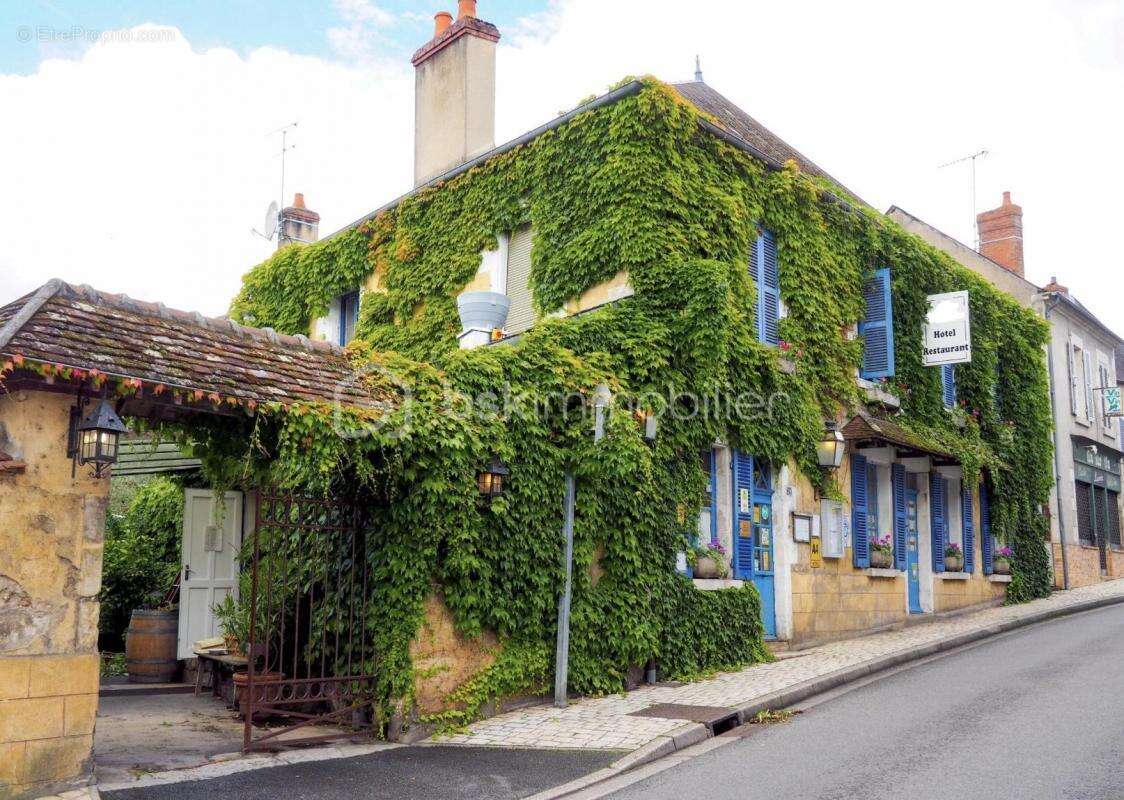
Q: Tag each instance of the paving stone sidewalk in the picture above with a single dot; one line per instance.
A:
(603, 723)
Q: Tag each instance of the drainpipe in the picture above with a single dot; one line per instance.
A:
(1057, 464)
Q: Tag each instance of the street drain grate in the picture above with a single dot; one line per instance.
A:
(717, 719)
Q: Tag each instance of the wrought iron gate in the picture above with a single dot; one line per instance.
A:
(310, 661)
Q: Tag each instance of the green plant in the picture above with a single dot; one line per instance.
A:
(233, 619)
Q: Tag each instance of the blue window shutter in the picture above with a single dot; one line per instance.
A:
(985, 529)
(743, 545)
(859, 532)
(897, 477)
(948, 386)
(969, 527)
(877, 328)
(937, 518)
(763, 265)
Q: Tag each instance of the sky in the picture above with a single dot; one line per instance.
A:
(137, 153)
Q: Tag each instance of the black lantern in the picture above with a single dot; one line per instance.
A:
(490, 480)
(829, 451)
(98, 435)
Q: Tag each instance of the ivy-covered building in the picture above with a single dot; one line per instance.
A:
(1083, 361)
(660, 240)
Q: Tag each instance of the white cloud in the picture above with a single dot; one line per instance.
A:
(142, 167)
(360, 37)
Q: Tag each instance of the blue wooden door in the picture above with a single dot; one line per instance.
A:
(913, 560)
(753, 532)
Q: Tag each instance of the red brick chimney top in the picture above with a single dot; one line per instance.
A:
(444, 35)
(1001, 235)
(1054, 286)
(298, 210)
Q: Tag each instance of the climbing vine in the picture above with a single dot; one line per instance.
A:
(635, 186)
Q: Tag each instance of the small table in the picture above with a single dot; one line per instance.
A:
(218, 663)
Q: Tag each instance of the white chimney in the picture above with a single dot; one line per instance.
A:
(455, 93)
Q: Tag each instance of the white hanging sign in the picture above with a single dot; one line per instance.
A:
(947, 330)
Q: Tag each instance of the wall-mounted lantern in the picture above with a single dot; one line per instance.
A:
(490, 480)
(830, 448)
(94, 439)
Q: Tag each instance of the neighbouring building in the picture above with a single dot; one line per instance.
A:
(1083, 359)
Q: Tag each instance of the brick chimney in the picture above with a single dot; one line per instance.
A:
(1001, 235)
(455, 93)
(298, 224)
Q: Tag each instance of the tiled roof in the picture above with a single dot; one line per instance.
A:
(79, 328)
(867, 428)
(729, 116)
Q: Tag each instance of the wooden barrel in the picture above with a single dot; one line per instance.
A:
(150, 646)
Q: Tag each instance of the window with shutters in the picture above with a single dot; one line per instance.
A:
(877, 328)
(763, 269)
(1078, 385)
(521, 314)
(860, 529)
(1105, 381)
(948, 386)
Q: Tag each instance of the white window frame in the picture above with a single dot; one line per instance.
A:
(494, 264)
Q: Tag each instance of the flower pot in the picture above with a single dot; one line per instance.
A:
(706, 567)
(953, 563)
(880, 559)
(1002, 566)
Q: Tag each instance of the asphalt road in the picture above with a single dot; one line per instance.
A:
(407, 773)
(1038, 713)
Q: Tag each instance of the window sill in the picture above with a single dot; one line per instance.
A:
(878, 572)
(716, 584)
(955, 576)
(999, 578)
(876, 394)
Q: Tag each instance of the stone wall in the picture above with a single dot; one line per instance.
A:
(51, 526)
(444, 658)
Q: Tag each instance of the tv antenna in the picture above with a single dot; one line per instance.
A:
(272, 214)
(972, 159)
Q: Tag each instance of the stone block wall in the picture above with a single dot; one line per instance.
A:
(444, 658)
(51, 537)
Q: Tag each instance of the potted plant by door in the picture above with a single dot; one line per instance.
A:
(1001, 565)
(881, 552)
(711, 562)
(953, 558)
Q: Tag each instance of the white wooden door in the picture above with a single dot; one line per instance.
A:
(209, 568)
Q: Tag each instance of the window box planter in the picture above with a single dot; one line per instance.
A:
(1001, 566)
(708, 568)
(881, 559)
(953, 563)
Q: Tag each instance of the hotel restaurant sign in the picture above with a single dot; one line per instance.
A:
(947, 330)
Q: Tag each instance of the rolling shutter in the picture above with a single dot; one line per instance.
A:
(969, 527)
(860, 533)
(901, 525)
(877, 329)
(521, 314)
(763, 267)
(948, 386)
(985, 529)
(937, 519)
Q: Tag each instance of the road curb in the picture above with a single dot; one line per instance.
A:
(681, 738)
(690, 735)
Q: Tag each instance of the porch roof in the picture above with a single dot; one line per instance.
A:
(64, 334)
(864, 428)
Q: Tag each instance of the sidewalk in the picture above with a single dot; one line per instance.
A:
(604, 723)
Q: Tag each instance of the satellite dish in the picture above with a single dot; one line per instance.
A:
(271, 219)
